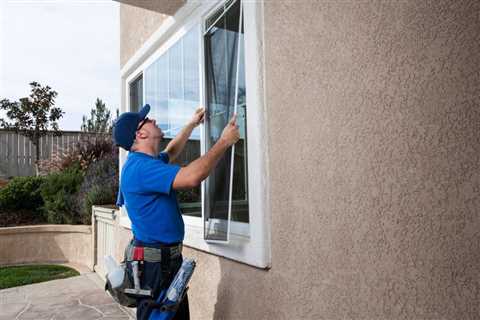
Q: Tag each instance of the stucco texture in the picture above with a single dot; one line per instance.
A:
(46, 244)
(373, 122)
(136, 26)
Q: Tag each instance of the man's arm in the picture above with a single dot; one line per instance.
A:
(197, 171)
(175, 147)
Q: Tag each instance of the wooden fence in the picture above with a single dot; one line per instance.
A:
(17, 152)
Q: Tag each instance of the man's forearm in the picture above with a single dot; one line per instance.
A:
(178, 143)
(202, 166)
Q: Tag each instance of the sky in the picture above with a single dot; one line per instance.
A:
(70, 45)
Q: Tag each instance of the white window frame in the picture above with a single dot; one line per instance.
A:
(249, 243)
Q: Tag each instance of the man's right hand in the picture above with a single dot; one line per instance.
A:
(230, 133)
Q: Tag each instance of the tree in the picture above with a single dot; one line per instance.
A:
(100, 119)
(33, 115)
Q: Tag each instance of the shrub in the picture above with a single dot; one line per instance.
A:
(83, 152)
(22, 193)
(99, 186)
(21, 202)
(86, 175)
(89, 151)
(3, 183)
(58, 193)
(189, 196)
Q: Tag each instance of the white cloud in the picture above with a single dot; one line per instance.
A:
(73, 46)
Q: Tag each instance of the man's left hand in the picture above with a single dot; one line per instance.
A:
(198, 116)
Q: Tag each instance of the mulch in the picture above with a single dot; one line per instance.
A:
(19, 218)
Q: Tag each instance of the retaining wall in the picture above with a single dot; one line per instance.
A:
(46, 243)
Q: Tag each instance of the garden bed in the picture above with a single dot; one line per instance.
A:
(20, 218)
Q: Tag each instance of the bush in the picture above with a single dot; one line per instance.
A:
(99, 186)
(22, 193)
(84, 152)
(88, 176)
(58, 193)
(21, 202)
(73, 181)
(89, 151)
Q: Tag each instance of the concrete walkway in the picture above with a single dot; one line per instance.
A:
(77, 298)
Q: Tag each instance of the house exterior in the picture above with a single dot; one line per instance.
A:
(354, 192)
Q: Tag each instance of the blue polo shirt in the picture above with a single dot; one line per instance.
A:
(151, 203)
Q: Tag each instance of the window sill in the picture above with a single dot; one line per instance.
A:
(240, 247)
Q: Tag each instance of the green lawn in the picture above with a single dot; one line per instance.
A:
(22, 275)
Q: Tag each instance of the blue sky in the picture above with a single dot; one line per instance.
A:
(70, 45)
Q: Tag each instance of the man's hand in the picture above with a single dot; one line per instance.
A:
(197, 171)
(230, 133)
(198, 116)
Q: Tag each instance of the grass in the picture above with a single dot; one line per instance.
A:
(22, 275)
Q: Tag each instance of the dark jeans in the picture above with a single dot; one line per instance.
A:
(156, 279)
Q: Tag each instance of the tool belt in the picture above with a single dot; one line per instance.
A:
(139, 251)
(136, 253)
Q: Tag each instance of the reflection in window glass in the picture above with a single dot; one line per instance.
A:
(161, 92)
(171, 85)
(136, 94)
(221, 49)
(191, 65)
(170, 90)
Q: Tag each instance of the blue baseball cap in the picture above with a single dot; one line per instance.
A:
(126, 125)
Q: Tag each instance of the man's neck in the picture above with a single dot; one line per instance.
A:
(150, 150)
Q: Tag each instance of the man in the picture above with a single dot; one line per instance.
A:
(147, 188)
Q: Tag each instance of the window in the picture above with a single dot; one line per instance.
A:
(210, 53)
(136, 94)
(226, 195)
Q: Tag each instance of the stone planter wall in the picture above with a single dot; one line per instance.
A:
(46, 243)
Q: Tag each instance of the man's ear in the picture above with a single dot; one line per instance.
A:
(141, 134)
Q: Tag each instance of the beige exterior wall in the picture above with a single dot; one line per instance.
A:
(46, 244)
(136, 26)
(373, 120)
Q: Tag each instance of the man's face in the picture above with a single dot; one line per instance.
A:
(150, 126)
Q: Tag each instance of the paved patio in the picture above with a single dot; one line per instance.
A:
(77, 298)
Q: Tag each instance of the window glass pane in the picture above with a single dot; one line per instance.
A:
(148, 86)
(221, 48)
(170, 90)
(191, 67)
(191, 76)
(161, 90)
(175, 101)
(136, 94)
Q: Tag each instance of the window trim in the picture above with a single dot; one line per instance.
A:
(253, 249)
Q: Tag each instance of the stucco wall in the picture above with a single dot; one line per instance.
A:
(136, 26)
(374, 107)
(46, 243)
(373, 119)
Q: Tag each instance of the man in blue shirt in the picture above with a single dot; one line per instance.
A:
(147, 189)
